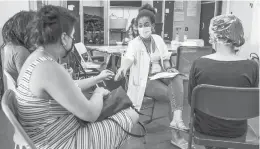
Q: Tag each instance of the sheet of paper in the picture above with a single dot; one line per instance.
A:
(163, 75)
(178, 5)
(192, 8)
(178, 16)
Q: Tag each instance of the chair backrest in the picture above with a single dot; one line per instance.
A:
(81, 48)
(11, 84)
(228, 103)
(186, 55)
(9, 107)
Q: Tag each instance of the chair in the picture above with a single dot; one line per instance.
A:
(186, 56)
(209, 99)
(11, 84)
(8, 106)
(151, 116)
(83, 52)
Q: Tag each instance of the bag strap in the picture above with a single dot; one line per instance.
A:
(129, 133)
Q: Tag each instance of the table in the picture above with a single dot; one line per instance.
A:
(119, 50)
(114, 51)
(121, 31)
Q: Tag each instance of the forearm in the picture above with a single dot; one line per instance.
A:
(166, 64)
(96, 101)
(88, 82)
(126, 63)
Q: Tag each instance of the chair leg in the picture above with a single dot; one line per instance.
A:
(151, 117)
(190, 137)
(144, 140)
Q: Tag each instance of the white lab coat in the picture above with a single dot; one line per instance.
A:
(139, 70)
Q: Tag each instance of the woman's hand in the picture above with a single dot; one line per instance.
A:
(121, 72)
(102, 91)
(172, 70)
(106, 75)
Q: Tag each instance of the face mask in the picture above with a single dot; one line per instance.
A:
(70, 49)
(145, 32)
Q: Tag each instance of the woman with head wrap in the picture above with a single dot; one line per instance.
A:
(223, 68)
(147, 55)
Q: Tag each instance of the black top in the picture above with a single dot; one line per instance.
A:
(243, 73)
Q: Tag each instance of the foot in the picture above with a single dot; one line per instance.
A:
(179, 125)
(183, 144)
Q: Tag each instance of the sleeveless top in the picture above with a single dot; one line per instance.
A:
(47, 123)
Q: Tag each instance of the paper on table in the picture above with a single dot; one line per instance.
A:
(164, 75)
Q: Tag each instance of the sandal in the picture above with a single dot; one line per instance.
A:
(182, 144)
(179, 125)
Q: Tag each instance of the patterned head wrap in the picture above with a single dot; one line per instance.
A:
(227, 29)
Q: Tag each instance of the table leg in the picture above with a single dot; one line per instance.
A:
(113, 63)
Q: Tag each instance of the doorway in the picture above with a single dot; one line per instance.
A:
(207, 13)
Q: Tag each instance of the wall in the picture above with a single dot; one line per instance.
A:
(192, 22)
(127, 13)
(244, 12)
(8, 9)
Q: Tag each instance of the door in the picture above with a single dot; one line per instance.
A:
(207, 13)
(168, 21)
(158, 18)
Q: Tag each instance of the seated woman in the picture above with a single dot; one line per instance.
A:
(223, 68)
(147, 55)
(50, 104)
(16, 42)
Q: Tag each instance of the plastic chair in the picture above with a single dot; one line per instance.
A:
(186, 55)
(151, 116)
(11, 84)
(82, 50)
(227, 103)
(8, 106)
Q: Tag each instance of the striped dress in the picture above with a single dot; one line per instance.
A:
(50, 126)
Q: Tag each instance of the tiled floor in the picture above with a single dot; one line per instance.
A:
(158, 137)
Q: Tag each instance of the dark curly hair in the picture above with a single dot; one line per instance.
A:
(146, 11)
(15, 29)
(50, 23)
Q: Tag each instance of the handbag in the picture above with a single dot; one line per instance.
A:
(117, 101)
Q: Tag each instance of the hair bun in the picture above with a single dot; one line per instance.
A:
(49, 15)
(148, 7)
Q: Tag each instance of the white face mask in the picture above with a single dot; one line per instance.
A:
(145, 32)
